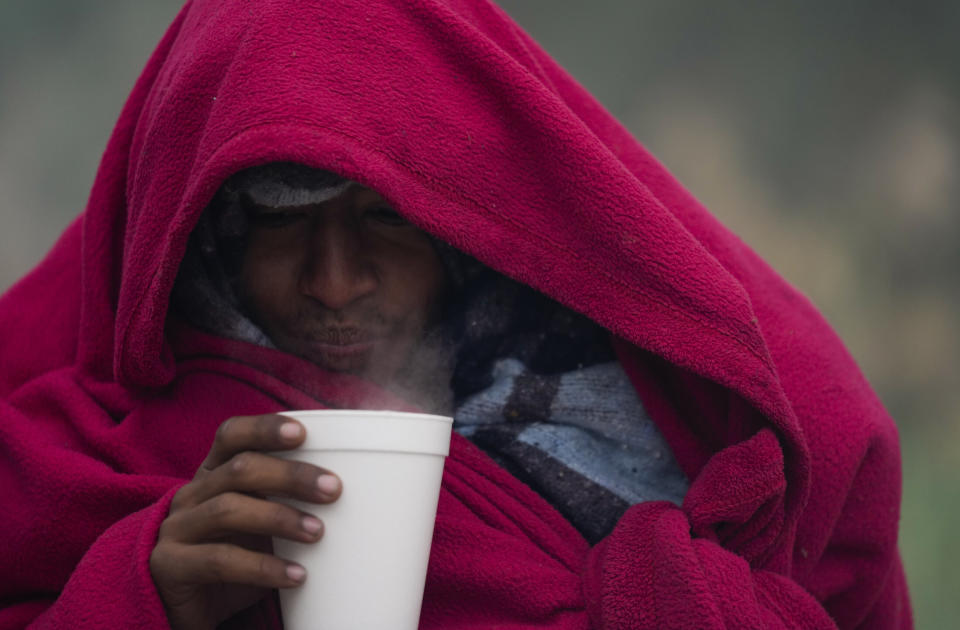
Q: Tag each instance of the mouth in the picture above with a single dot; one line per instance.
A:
(341, 336)
(346, 350)
(341, 349)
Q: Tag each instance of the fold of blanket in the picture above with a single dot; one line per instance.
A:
(473, 133)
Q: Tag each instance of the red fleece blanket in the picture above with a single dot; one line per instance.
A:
(471, 131)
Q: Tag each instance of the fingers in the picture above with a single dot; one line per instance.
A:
(217, 505)
(255, 473)
(269, 432)
(231, 512)
(223, 563)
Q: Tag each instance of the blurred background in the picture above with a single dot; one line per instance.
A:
(826, 134)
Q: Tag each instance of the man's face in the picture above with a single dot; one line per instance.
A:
(347, 284)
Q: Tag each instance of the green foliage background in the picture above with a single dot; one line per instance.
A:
(827, 134)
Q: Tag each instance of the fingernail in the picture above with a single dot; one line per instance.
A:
(328, 484)
(311, 525)
(296, 573)
(290, 430)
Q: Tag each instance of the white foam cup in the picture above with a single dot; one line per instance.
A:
(369, 568)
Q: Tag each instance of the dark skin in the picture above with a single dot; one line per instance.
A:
(347, 284)
(212, 555)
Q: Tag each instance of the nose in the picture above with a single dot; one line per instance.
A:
(338, 270)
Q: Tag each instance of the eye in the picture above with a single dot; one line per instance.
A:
(386, 216)
(275, 219)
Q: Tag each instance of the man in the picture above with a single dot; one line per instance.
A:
(300, 259)
(300, 202)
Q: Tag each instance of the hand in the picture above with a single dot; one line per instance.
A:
(213, 556)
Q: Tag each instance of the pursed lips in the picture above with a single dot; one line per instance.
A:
(341, 336)
(341, 344)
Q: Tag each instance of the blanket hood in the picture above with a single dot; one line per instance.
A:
(449, 110)
(458, 118)
(470, 130)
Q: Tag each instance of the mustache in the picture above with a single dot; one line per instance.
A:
(342, 335)
(340, 328)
